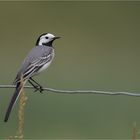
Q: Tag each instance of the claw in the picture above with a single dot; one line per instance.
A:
(41, 89)
(36, 88)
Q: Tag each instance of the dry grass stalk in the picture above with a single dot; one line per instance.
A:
(134, 134)
(22, 104)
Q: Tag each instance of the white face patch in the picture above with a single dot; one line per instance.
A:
(49, 35)
(46, 38)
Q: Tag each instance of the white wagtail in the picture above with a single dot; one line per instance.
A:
(38, 59)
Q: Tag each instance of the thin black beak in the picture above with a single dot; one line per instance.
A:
(56, 37)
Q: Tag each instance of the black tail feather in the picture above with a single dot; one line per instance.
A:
(13, 100)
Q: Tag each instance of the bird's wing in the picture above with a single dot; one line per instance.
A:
(36, 58)
(34, 66)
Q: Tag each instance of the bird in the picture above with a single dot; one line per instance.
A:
(36, 61)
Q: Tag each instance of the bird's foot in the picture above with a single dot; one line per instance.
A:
(39, 88)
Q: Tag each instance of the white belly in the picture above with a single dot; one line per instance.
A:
(45, 66)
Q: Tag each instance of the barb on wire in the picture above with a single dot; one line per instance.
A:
(56, 91)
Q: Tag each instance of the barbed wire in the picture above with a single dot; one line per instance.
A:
(98, 92)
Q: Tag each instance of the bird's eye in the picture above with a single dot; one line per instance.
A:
(46, 37)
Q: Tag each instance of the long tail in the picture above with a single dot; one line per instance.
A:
(14, 98)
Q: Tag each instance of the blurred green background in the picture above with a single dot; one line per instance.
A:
(99, 49)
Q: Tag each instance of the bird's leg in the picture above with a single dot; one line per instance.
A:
(38, 87)
(35, 86)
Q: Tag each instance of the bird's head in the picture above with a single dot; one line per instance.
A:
(46, 39)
